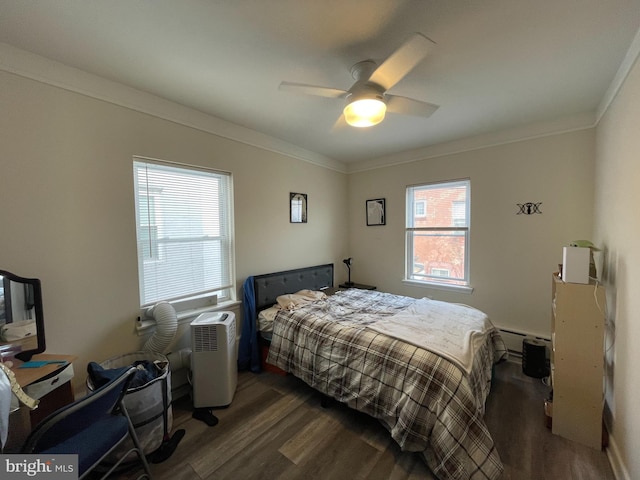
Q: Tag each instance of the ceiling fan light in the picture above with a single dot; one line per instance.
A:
(365, 112)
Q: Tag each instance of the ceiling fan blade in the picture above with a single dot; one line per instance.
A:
(402, 61)
(410, 106)
(313, 90)
(340, 124)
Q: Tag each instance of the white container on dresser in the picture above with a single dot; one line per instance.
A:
(577, 360)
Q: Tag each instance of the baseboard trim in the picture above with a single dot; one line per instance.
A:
(617, 465)
(514, 357)
(513, 340)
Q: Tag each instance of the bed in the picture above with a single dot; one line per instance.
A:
(361, 348)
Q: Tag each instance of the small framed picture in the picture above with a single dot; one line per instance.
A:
(376, 214)
(297, 207)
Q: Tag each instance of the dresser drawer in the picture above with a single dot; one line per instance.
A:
(41, 388)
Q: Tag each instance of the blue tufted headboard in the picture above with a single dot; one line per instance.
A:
(269, 286)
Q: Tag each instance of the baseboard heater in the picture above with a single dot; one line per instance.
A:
(513, 340)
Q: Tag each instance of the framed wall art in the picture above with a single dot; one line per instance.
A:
(376, 214)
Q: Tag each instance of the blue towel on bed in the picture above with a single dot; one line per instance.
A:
(248, 350)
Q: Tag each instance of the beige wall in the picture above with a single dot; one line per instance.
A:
(617, 229)
(512, 256)
(66, 187)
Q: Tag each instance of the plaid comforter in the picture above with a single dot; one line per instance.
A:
(427, 403)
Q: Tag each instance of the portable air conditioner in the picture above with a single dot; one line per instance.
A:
(214, 368)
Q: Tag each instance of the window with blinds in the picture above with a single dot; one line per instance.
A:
(184, 231)
(437, 237)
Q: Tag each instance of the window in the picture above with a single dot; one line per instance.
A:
(184, 231)
(437, 245)
(439, 272)
(459, 213)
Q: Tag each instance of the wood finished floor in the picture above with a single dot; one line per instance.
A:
(276, 428)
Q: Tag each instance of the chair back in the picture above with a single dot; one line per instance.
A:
(79, 415)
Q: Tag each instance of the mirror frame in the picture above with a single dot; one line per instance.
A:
(26, 355)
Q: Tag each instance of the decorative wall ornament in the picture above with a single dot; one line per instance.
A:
(529, 208)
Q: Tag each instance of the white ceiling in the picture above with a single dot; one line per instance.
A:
(497, 64)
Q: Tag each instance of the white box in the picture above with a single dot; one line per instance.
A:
(575, 264)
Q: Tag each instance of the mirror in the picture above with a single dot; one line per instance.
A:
(298, 207)
(21, 318)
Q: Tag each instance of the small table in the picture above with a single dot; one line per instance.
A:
(53, 380)
(27, 376)
(361, 286)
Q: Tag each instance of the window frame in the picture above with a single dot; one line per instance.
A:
(209, 297)
(413, 278)
(423, 204)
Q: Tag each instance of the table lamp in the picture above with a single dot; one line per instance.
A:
(347, 262)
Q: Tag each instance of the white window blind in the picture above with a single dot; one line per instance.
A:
(184, 231)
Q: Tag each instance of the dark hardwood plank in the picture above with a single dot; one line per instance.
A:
(528, 449)
(276, 428)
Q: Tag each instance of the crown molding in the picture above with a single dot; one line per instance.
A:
(35, 67)
(568, 124)
(41, 69)
(630, 59)
(556, 127)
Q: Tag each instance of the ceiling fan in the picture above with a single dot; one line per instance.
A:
(367, 100)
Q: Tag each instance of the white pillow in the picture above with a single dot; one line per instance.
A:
(291, 301)
(266, 317)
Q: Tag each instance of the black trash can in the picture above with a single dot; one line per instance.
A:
(534, 358)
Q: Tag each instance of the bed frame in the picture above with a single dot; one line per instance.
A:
(269, 286)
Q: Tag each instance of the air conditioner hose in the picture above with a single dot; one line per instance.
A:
(166, 326)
